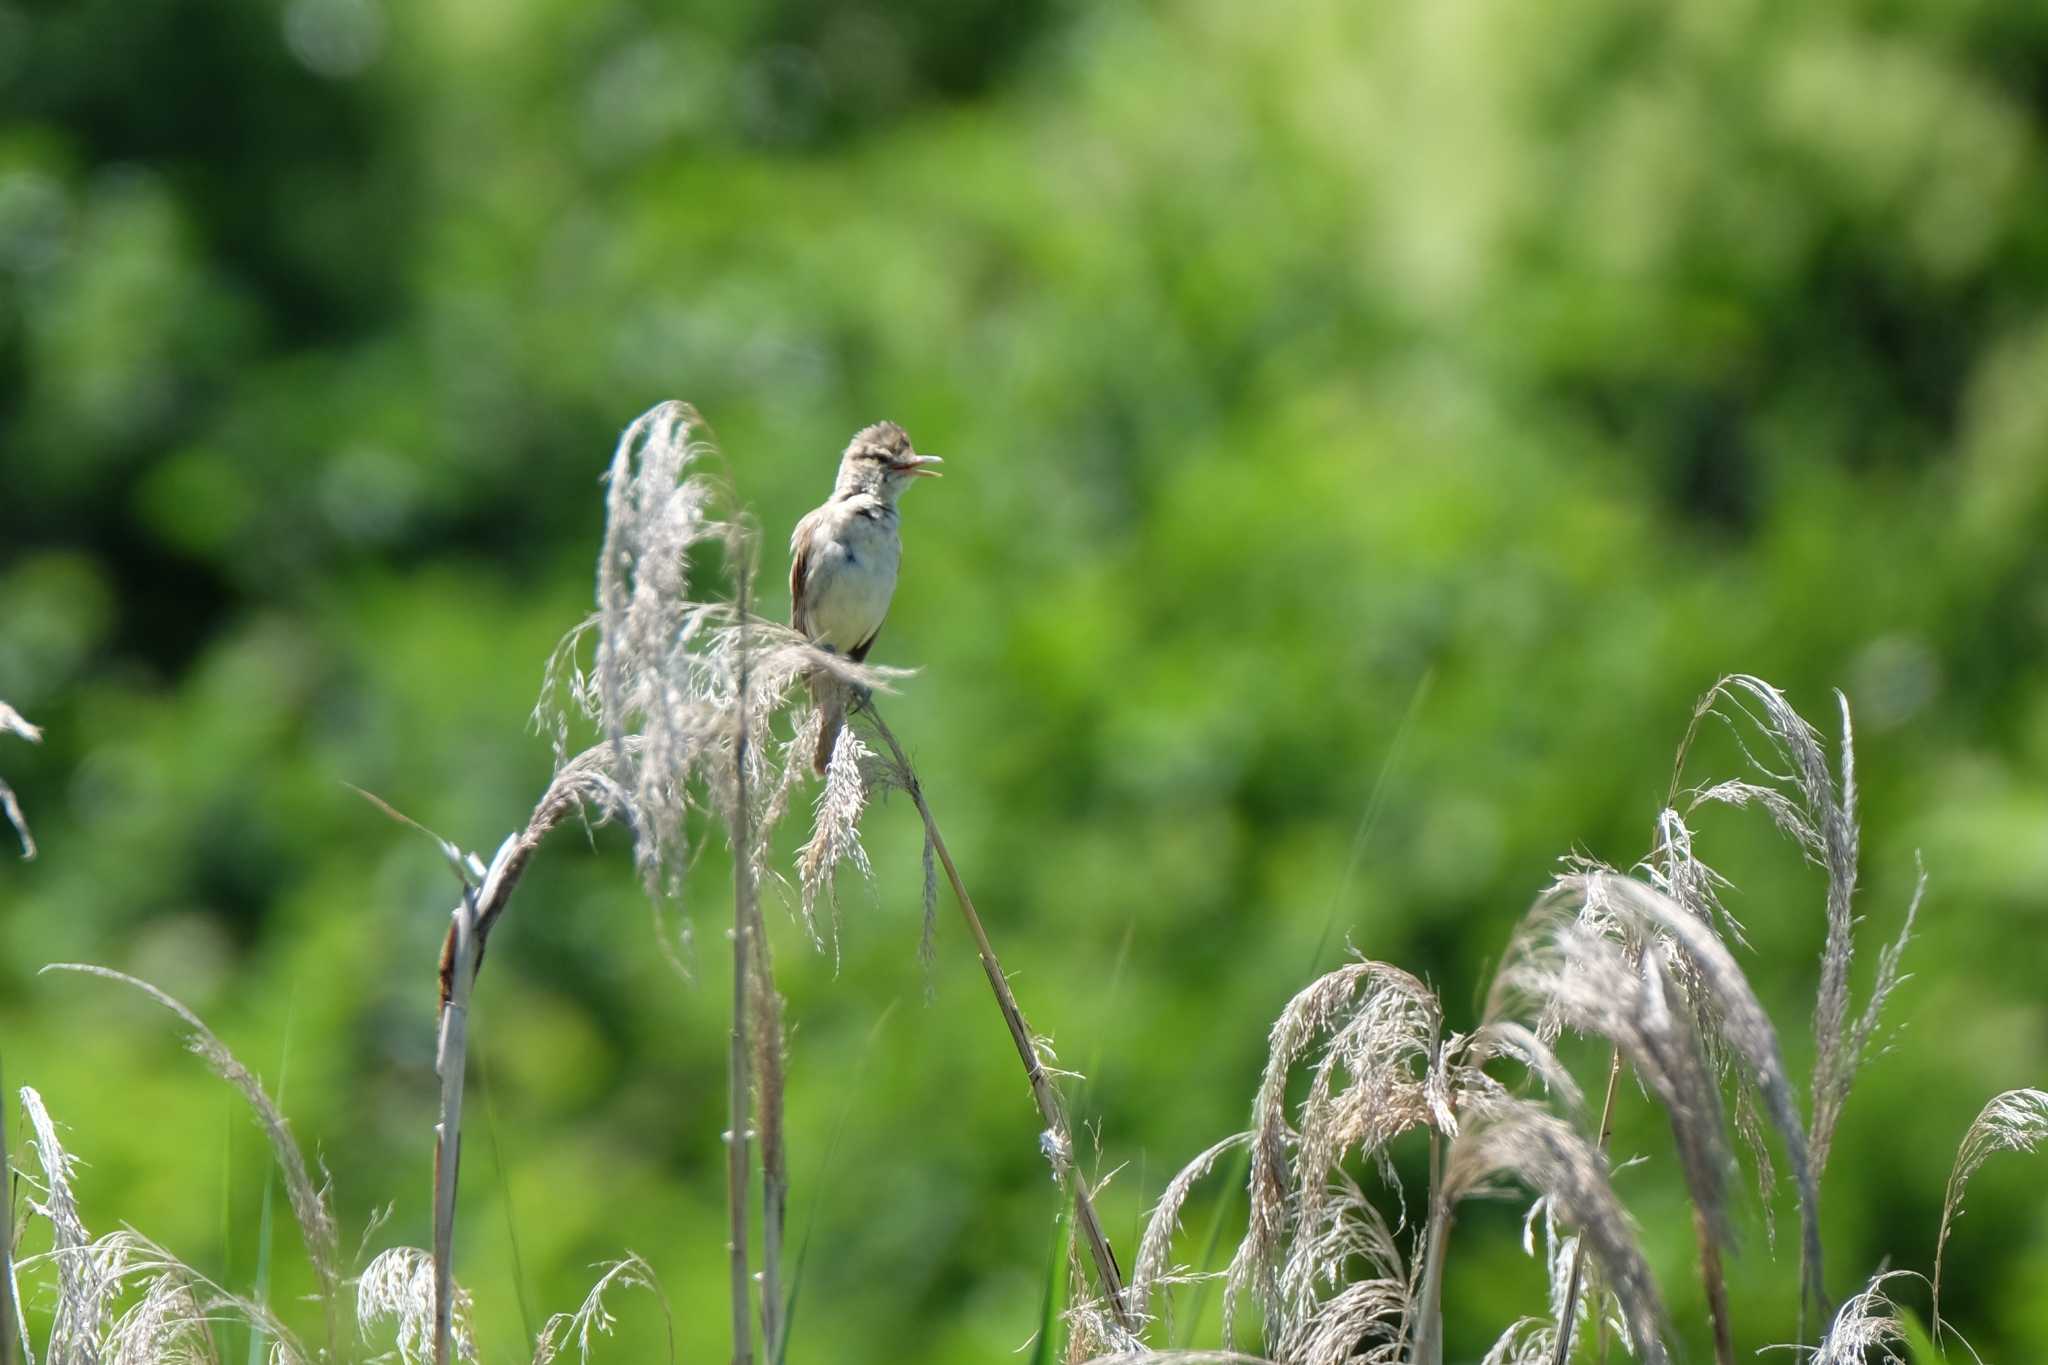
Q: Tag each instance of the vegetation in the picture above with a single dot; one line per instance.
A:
(684, 693)
(1367, 428)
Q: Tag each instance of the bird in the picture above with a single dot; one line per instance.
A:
(843, 561)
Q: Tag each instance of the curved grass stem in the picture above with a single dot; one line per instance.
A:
(1086, 1220)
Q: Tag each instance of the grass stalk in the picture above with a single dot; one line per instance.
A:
(1429, 1332)
(460, 966)
(768, 1089)
(737, 1164)
(1086, 1221)
(1569, 1316)
(462, 956)
(265, 1244)
(10, 1310)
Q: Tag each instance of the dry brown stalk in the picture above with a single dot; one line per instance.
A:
(1049, 1106)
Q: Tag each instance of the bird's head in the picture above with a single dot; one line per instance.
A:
(879, 459)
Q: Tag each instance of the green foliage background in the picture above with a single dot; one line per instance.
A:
(1305, 372)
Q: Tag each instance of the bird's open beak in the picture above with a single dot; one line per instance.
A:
(920, 466)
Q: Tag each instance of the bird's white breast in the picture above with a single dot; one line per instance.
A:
(854, 558)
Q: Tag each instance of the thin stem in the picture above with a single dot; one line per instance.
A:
(768, 1085)
(1049, 1107)
(1429, 1334)
(9, 1313)
(460, 964)
(736, 1144)
(1571, 1292)
(462, 956)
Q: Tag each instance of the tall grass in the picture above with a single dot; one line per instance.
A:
(675, 699)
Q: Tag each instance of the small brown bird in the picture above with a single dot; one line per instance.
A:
(843, 560)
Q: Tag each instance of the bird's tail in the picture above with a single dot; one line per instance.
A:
(829, 695)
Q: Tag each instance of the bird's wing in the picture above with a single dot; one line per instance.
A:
(859, 652)
(800, 568)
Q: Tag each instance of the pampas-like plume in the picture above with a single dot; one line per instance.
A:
(1347, 1295)
(1379, 1027)
(398, 1285)
(1566, 963)
(1792, 782)
(82, 1292)
(169, 1320)
(1643, 914)
(166, 1326)
(835, 832)
(1868, 1321)
(592, 1315)
(1179, 1358)
(2016, 1121)
(309, 1201)
(1154, 1267)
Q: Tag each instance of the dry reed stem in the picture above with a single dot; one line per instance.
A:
(768, 1099)
(1571, 1295)
(743, 932)
(460, 965)
(1429, 1328)
(578, 782)
(10, 1301)
(1061, 1146)
(765, 1022)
